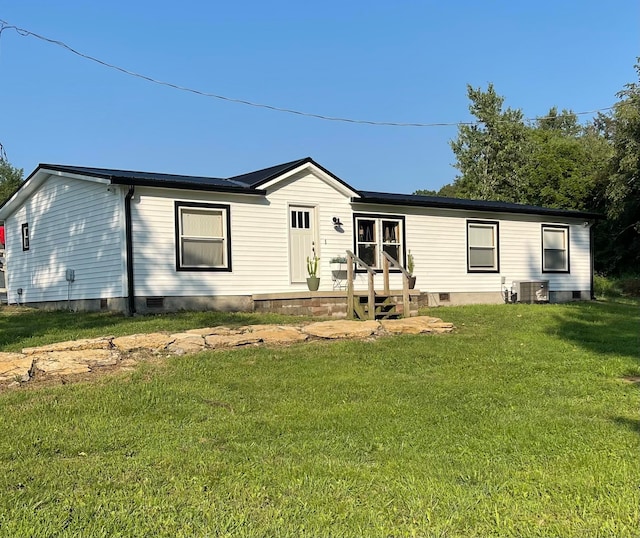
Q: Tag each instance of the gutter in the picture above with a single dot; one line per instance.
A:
(471, 205)
(131, 297)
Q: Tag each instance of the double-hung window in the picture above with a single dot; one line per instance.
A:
(377, 234)
(203, 241)
(555, 249)
(483, 254)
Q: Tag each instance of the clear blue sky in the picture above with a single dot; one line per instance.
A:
(375, 60)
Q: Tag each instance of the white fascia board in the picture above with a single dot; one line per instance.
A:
(30, 186)
(340, 187)
(78, 176)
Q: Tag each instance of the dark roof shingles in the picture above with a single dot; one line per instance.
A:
(461, 203)
(249, 183)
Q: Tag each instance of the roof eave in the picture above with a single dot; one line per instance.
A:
(474, 207)
(139, 182)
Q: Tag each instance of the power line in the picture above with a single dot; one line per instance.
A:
(4, 25)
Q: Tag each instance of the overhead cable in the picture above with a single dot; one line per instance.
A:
(4, 25)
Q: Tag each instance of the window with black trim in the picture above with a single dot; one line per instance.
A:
(376, 234)
(483, 255)
(203, 237)
(555, 248)
(25, 236)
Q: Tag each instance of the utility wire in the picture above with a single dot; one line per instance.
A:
(4, 25)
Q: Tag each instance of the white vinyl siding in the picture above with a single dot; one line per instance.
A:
(259, 228)
(437, 239)
(77, 224)
(73, 224)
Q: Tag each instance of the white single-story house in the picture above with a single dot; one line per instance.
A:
(94, 238)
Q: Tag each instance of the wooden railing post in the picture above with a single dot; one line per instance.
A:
(350, 297)
(371, 300)
(372, 296)
(406, 306)
(385, 275)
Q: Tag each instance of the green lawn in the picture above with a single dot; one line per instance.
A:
(518, 424)
(26, 327)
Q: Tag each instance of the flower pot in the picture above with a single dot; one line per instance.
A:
(412, 282)
(313, 283)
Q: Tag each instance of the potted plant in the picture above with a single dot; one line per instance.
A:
(410, 268)
(338, 271)
(313, 281)
(337, 263)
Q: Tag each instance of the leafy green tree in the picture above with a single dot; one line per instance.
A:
(448, 191)
(557, 162)
(492, 154)
(566, 162)
(10, 179)
(565, 123)
(622, 190)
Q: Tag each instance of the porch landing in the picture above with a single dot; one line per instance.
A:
(325, 303)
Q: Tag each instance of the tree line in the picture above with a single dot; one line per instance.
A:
(555, 161)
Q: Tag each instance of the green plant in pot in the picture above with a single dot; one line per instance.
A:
(313, 281)
(338, 264)
(338, 271)
(410, 267)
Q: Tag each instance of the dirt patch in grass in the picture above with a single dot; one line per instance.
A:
(635, 379)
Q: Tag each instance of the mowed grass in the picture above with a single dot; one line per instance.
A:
(26, 327)
(519, 424)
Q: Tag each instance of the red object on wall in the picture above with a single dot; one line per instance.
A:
(2, 235)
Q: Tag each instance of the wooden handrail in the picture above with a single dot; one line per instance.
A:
(388, 259)
(396, 263)
(371, 298)
(360, 262)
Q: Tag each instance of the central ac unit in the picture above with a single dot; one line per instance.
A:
(531, 291)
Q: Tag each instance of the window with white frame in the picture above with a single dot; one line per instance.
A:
(203, 240)
(555, 249)
(482, 246)
(377, 234)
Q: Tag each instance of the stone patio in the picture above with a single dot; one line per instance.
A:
(87, 355)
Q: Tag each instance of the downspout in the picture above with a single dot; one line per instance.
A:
(131, 297)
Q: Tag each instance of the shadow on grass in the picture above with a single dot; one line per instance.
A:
(605, 327)
(631, 423)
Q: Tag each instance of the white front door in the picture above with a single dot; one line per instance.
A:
(302, 240)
